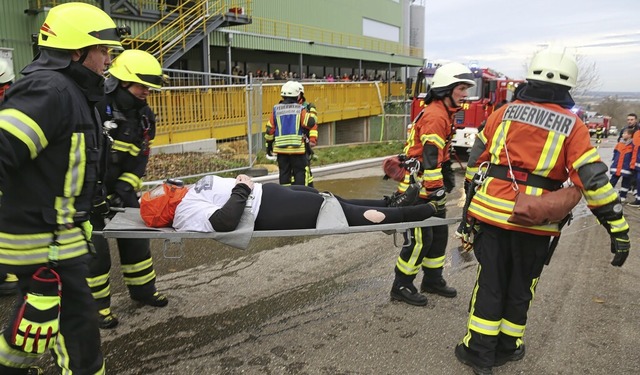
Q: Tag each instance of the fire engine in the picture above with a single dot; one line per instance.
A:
(594, 120)
(492, 90)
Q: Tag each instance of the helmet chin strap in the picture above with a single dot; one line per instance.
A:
(453, 102)
(83, 56)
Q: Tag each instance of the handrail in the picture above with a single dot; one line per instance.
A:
(164, 34)
(271, 27)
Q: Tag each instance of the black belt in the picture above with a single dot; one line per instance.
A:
(522, 176)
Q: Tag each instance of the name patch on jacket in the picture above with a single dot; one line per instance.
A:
(540, 117)
(288, 109)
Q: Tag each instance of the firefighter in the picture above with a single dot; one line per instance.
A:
(528, 153)
(8, 282)
(621, 163)
(131, 76)
(429, 141)
(632, 124)
(285, 135)
(50, 145)
(311, 108)
(599, 133)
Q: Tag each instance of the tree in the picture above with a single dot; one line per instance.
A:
(618, 109)
(588, 76)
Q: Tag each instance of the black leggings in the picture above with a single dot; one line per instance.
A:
(297, 207)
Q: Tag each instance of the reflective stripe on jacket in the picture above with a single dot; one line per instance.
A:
(434, 127)
(287, 126)
(49, 166)
(544, 139)
(132, 139)
(621, 161)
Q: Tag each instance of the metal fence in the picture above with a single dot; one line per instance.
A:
(225, 118)
(213, 123)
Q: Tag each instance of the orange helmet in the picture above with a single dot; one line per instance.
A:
(158, 206)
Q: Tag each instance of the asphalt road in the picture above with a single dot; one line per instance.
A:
(321, 306)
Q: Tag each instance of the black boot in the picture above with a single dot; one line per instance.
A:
(465, 357)
(408, 294)
(434, 283)
(516, 355)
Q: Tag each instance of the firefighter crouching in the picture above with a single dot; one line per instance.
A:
(285, 134)
(429, 141)
(132, 127)
(531, 146)
(50, 144)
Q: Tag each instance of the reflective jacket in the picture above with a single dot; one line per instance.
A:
(545, 140)
(635, 156)
(621, 161)
(50, 142)
(132, 139)
(434, 127)
(288, 126)
(313, 113)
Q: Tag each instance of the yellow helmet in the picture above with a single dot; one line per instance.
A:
(73, 26)
(138, 66)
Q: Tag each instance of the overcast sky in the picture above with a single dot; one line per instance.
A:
(504, 34)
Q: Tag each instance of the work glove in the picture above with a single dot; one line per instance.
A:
(620, 246)
(101, 208)
(466, 232)
(448, 177)
(439, 197)
(114, 200)
(37, 324)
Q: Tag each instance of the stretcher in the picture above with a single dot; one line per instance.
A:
(331, 220)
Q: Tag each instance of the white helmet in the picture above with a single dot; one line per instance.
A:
(290, 89)
(448, 76)
(300, 87)
(557, 67)
(6, 71)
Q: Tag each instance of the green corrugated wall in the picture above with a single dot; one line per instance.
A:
(16, 28)
(338, 16)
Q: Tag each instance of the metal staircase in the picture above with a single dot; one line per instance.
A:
(186, 25)
(176, 25)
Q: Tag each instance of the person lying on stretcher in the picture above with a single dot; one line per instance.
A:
(216, 204)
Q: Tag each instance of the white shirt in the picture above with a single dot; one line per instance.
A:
(204, 198)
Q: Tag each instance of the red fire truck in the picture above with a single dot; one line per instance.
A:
(491, 90)
(594, 120)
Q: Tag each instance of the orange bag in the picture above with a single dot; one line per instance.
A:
(552, 207)
(158, 206)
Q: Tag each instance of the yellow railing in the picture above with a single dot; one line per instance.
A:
(39, 4)
(221, 112)
(138, 4)
(190, 18)
(263, 26)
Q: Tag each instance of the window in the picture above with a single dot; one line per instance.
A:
(380, 30)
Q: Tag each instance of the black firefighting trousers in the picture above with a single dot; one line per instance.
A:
(509, 266)
(135, 262)
(425, 249)
(292, 169)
